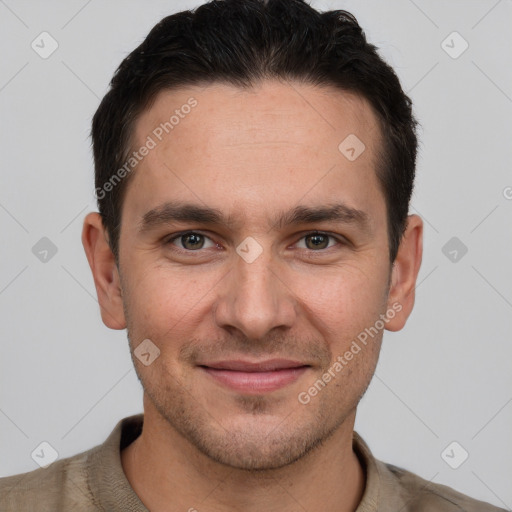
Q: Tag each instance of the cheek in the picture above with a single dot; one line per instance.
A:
(343, 302)
(164, 303)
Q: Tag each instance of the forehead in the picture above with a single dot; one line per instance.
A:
(225, 114)
(273, 142)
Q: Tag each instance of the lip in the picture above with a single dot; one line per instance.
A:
(255, 377)
(259, 366)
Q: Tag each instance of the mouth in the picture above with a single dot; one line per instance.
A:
(255, 377)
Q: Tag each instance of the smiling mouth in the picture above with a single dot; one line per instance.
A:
(255, 377)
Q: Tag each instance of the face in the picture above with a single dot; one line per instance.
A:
(253, 255)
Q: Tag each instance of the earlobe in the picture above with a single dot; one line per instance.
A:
(405, 273)
(104, 271)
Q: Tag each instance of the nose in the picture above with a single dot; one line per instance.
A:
(255, 298)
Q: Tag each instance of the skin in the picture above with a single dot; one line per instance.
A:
(252, 153)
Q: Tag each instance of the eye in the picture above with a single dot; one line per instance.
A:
(318, 241)
(191, 241)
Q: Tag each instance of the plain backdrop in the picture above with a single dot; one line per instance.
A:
(67, 379)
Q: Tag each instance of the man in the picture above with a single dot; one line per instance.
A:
(254, 166)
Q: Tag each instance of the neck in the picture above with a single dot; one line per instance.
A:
(170, 474)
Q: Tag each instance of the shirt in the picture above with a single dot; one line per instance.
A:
(94, 481)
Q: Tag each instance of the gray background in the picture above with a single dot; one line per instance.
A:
(67, 379)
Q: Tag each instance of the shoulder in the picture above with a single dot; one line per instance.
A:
(390, 488)
(89, 481)
(60, 486)
(420, 495)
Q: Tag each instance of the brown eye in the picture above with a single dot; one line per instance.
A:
(317, 241)
(191, 241)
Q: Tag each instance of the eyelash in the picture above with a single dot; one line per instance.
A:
(168, 241)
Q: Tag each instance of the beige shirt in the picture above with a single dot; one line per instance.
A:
(94, 481)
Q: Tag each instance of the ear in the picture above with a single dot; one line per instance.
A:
(104, 271)
(404, 273)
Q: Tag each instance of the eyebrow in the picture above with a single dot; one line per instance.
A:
(170, 212)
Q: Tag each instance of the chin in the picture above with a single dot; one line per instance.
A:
(256, 452)
(253, 441)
